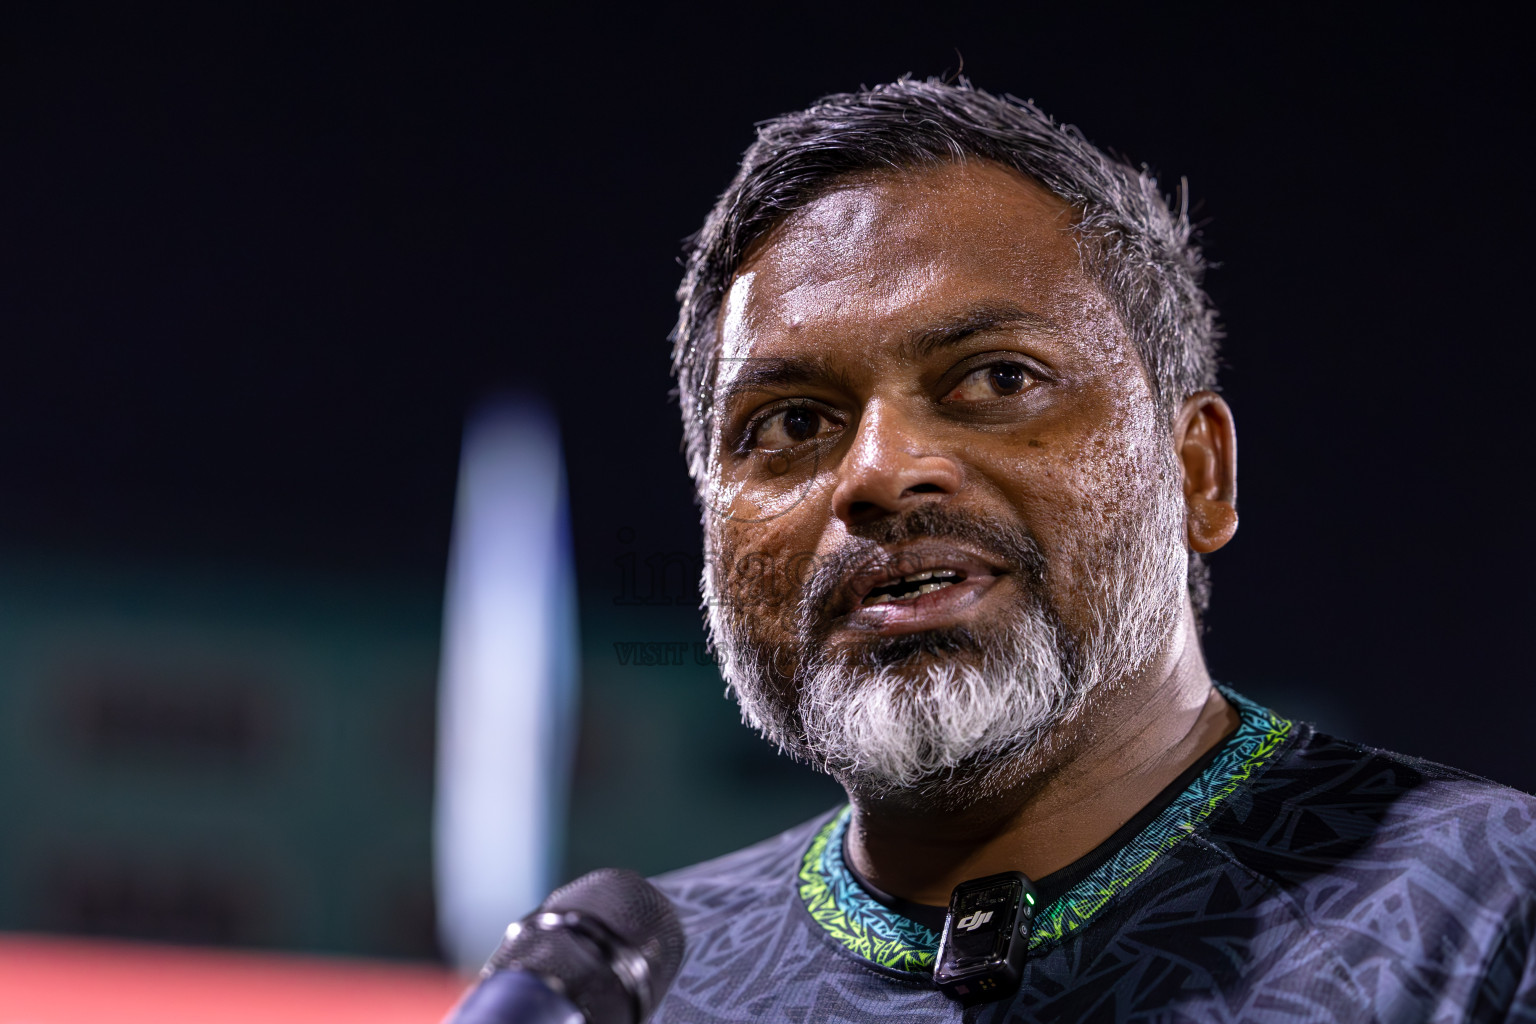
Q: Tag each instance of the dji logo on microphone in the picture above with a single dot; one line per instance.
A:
(971, 922)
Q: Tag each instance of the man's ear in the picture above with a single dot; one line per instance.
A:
(1206, 441)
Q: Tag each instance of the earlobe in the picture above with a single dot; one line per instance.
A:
(1206, 441)
(1210, 524)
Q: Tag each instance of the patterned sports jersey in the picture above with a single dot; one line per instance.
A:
(1297, 878)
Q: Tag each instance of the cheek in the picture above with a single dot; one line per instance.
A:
(1080, 468)
(1116, 451)
(757, 567)
(1077, 490)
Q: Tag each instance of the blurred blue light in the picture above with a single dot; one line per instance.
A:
(506, 704)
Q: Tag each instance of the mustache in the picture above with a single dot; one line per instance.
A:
(1014, 548)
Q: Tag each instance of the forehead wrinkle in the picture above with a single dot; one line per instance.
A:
(800, 297)
(849, 232)
(865, 295)
(776, 300)
(863, 251)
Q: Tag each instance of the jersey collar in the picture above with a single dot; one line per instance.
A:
(870, 930)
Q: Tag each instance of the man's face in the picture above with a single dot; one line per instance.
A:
(918, 379)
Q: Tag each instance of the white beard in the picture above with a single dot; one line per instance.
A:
(950, 731)
(883, 730)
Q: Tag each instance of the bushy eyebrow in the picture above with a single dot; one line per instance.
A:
(758, 375)
(927, 340)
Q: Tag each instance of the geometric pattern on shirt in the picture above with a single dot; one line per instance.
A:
(1259, 736)
(869, 929)
(846, 912)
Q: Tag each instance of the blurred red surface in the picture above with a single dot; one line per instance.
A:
(51, 980)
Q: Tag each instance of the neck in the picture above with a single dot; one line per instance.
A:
(1135, 738)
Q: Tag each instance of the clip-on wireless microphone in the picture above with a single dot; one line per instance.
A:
(986, 933)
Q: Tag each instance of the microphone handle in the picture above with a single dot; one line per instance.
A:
(514, 997)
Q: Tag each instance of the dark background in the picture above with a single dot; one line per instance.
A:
(257, 265)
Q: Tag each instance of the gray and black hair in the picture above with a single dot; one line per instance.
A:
(1139, 248)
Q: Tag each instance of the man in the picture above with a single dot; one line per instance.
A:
(945, 371)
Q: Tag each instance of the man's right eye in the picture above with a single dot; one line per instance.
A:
(788, 428)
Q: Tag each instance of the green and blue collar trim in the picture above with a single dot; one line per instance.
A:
(874, 932)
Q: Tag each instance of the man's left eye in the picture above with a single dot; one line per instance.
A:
(999, 380)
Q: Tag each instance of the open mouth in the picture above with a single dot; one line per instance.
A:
(916, 588)
(911, 587)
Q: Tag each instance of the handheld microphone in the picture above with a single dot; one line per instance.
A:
(601, 950)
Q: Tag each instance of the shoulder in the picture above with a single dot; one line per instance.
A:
(1370, 844)
(725, 887)
(1339, 798)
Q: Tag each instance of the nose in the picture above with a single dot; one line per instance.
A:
(890, 468)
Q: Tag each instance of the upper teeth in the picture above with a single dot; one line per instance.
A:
(918, 577)
(946, 578)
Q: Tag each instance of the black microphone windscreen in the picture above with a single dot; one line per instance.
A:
(558, 943)
(636, 911)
